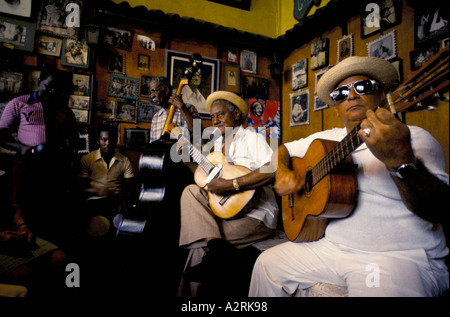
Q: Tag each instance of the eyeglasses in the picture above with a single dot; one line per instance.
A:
(361, 87)
(219, 115)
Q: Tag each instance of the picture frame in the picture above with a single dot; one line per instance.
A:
(233, 56)
(146, 42)
(118, 38)
(430, 22)
(146, 111)
(80, 102)
(143, 62)
(300, 74)
(320, 53)
(379, 16)
(136, 138)
(18, 8)
(144, 90)
(264, 117)
(116, 63)
(53, 17)
(91, 34)
(33, 80)
(249, 61)
(384, 47)
(81, 84)
(75, 53)
(299, 106)
(421, 55)
(255, 87)
(317, 76)
(232, 78)
(14, 83)
(319, 104)
(176, 64)
(17, 34)
(126, 110)
(105, 109)
(344, 47)
(123, 87)
(83, 143)
(49, 45)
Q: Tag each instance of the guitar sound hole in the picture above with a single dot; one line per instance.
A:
(308, 182)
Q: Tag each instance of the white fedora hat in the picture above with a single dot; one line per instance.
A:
(373, 67)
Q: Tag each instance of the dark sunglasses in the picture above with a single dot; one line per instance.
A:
(361, 87)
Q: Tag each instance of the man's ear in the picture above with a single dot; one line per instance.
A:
(237, 114)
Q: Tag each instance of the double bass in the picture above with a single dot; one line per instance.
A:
(161, 179)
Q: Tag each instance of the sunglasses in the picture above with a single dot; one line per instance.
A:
(361, 87)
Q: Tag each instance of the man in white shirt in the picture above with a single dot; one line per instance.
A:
(201, 229)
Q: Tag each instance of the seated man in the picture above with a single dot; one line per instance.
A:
(201, 229)
(161, 94)
(392, 243)
(107, 180)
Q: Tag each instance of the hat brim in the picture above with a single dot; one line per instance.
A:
(375, 68)
(229, 96)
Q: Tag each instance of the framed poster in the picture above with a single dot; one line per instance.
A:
(176, 64)
(231, 78)
(299, 108)
(123, 87)
(75, 54)
(17, 34)
(54, 18)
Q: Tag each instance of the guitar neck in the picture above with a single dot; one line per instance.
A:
(197, 156)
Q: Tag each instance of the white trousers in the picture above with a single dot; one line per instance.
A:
(281, 270)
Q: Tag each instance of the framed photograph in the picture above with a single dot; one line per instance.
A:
(176, 64)
(83, 146)
(143, 62)
(116, 63)
(430, 22)
(317, 76)
(33, 80)
(81, 84)
(232, 78)
(49, 45)
(82, 116)
(54, 19)
(146, 111)
(91, 34)
(16, 7)
(319, 104)
(126, 110)
(233, 56)
(118, 38)
(11, 84)
(145, 86)
(264, 116)
(146, 42)
(344, 47)
(105, 109)
(17, 34)
(79, 102)
(248, 61)
(136, 138)
(380, 15)
(300, 74)
(255, 87)
(123, 87)
(75, 53)
(422, 55)
(299, 108)
(384, 47)
(319, 53)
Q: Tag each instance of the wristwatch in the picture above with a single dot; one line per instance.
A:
(235, 184)
(405, 171)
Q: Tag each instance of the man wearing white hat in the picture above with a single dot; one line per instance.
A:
(392, 243)
(201, 230)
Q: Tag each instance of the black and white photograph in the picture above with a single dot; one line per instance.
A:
(81, 115)
(380, 15)
(249, 61)
(54, 18)
(319, 104)
(126, 110)
(81, 84)
(300, 74)
(431, 22)
(299, 108)
(116, 63)
(146, 111)
(255, 87)
(75, 54)
(105, 109)
(422, 55)
(49, 45)
(384, 47)
(124, 87)
(11, 84)
(344, 47)
(146, 42)
(319, 53)
(20, 8)
(79, 102)
(17, 34)
(143, 62)
(118, 38)
(144, 90)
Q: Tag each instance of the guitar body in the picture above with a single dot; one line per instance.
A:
(307, 212)
(225, 207)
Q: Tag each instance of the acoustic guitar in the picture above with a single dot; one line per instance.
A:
(212, 166)
(330, 185)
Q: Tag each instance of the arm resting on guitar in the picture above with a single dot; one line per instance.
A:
(286, 180)
(253, 180)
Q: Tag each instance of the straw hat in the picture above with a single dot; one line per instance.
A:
(373, 67)
(229, 96)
